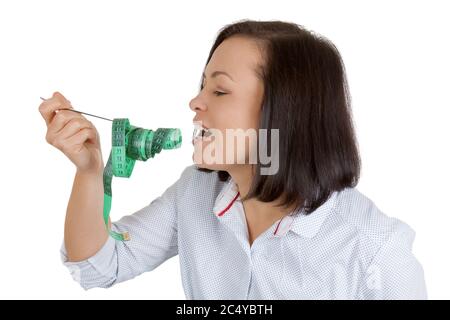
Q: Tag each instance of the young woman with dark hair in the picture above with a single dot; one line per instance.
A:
(292, 226)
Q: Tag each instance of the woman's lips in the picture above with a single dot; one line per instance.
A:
(200, 132)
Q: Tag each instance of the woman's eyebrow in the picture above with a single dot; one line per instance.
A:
(216, 73)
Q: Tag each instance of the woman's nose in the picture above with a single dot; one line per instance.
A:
(197, 105)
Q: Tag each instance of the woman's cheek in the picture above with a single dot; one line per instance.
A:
(239, 146)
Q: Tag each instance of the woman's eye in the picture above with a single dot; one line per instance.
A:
(216, 93)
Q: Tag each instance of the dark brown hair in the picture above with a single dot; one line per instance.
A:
(306, 97)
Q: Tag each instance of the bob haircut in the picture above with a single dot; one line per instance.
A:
(306, 97)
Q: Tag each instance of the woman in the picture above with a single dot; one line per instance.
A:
(289, 227)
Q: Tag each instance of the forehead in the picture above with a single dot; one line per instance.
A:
(237, 56)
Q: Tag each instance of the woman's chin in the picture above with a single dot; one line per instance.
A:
(201, 163)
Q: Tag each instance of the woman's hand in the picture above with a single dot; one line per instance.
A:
(73, 134)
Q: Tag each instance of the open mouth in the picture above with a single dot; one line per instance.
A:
(200, 133)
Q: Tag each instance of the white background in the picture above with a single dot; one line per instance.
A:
(143, 59)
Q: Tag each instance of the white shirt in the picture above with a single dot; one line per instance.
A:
(345, 249)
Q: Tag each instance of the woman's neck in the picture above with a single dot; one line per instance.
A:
(242, 175)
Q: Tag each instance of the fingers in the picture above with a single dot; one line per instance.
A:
(80, 138)
(48, 107)
(73, 126)
(61, 119)
(56, 138)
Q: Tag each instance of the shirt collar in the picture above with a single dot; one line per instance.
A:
(309, 225)
(303, 225)
(226, 198)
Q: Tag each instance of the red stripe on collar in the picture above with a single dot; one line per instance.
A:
(278, 226)
(228, 207)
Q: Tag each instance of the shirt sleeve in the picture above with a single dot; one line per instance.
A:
(395, 273)
(153, 240)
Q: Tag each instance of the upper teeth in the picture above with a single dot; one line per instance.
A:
(201, 131)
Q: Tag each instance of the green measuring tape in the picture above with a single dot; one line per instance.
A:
(129, 144)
